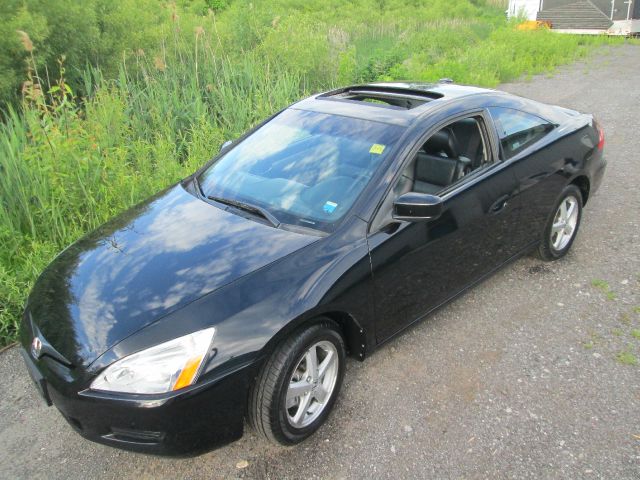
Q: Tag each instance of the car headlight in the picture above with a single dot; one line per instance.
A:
(166, 367)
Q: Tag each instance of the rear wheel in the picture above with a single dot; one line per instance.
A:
(298, 385)
(562, 226)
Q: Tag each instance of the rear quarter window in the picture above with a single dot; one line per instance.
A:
(518, 130)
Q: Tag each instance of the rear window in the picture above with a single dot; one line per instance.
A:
(518, 130)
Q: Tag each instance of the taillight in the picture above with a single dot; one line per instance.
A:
(600, 135)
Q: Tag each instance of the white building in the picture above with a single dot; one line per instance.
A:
(524, 8)
(614, 17)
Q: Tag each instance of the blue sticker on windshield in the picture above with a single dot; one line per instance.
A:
(329, 207)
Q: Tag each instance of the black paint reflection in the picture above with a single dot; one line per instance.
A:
(145, 264)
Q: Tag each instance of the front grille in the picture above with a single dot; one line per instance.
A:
(44, 347)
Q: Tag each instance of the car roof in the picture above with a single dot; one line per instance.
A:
(398, 103)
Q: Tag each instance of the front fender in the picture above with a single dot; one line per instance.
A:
(331, 277)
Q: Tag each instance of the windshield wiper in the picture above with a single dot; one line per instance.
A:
(256, 210)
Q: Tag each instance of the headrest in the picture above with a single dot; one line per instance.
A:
(435, 169)
(442, 141)
(467, 122)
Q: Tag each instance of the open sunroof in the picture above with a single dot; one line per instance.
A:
(400, 98)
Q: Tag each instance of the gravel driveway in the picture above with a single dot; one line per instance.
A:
(529, 375)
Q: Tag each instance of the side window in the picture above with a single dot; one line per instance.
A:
(448, 156)
(444, 159)
(517, 130)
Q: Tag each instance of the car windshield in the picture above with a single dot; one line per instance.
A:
(304, 168)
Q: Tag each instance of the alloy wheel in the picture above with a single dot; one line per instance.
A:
(564, 223)
(312, 384)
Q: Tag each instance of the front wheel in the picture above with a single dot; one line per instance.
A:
(298, 385)
(562, 226)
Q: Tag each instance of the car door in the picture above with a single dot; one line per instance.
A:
(417, 266)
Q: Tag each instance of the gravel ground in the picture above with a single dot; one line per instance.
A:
(525, 376)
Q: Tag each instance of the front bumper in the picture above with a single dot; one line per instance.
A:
(188, 422)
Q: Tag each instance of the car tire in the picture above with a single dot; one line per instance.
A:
(274, 410)
(562, 226)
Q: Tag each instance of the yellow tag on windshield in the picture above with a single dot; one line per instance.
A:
(377, 149)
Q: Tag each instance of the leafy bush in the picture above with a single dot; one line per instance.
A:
(91, 32)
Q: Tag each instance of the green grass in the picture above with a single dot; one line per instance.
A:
(625, 357)
(604, 287)
(69, 163)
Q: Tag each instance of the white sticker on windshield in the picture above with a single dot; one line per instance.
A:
(329, 207)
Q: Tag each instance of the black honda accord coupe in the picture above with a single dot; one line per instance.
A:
(239, 292)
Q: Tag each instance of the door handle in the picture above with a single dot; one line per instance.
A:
(499, 204)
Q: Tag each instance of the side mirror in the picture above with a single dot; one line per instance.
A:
(225, 145)
(417, 207)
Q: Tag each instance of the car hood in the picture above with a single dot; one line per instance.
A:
(142, 265)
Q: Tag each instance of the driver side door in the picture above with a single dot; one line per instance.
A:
(417, 266)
